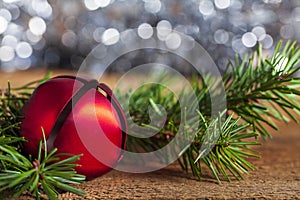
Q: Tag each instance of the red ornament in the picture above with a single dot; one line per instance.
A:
(79, 119)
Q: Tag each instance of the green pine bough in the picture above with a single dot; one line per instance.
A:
(259, 91)
(44, 175)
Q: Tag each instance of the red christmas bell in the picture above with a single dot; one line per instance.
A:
(79, 116)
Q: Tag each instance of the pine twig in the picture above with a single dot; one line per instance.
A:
(267, 90)
(228, 155)
(48, 174)
(12, 101)
(45, 174)
(257, 93)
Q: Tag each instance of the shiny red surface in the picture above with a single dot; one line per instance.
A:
(86, 129)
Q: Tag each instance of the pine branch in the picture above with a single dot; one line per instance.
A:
(228, 155)
(45, 174)
(265, 90)
(48, 174)
(256, 94)
(12, 101)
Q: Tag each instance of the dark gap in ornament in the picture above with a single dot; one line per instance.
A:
(117, 106)
(68, 108)
(104, 93)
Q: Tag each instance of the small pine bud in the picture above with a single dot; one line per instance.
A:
(36, 164)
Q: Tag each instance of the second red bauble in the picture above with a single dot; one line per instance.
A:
(79, 116)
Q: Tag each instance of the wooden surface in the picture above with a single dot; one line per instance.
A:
(277, 174)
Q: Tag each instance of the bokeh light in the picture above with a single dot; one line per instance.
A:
(110, 36)
(164, 28)
(9, 40)
(152, 6)
(206, 7)
(145, 31)
(222, 4)
(23, 50)
(6, 53)
(3, 24)
(173, 41)
(95, 4)
(249, 39)
(221, 36)
(37, 26)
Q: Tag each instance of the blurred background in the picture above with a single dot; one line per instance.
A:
(60, 34)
